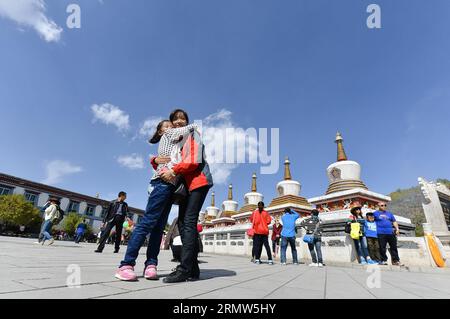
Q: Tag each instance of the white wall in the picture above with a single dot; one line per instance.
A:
(417, 255)
(19, 191)
(43, 198)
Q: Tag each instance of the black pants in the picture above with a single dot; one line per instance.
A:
(188, 213)
(258, 242)
(392, 241)
(176, 252)
(116, 222)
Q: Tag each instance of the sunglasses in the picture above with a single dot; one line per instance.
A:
(382, 205)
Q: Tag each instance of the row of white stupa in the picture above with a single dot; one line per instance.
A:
(345, 189)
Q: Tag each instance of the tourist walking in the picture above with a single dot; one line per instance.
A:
(370, 230)
(288, 235)
(194, 168)
(260, 222)
(276, 237)
(114, 218)
(387, 230)
(81, 229)
(313, 226)
(355, 224)
(161, 190)
(50, 215)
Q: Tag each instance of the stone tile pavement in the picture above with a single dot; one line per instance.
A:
(31, 271)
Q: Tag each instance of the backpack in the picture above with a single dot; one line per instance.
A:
(355, 230)
(59, 216)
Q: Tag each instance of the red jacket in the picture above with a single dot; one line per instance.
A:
(261, 222)
(193, 165)
(276, 231)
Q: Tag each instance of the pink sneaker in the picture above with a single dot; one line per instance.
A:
(126, 273)
(150, 273)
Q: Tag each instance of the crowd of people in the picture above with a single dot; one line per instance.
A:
(370, 234)
(182, 177)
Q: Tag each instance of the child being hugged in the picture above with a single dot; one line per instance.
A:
(159, 203)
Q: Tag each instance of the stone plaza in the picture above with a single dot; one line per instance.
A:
(32, 271)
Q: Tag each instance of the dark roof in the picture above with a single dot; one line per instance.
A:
(54, 191)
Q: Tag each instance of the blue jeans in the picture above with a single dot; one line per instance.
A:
(45, 230)
(284, 244)
(317, 244)
(361, 247)
(79, 237)
(153, 222)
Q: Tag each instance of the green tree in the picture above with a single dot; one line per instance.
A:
(15, 210)
(418, 219)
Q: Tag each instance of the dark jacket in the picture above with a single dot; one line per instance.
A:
(313, 226)
(111, 212)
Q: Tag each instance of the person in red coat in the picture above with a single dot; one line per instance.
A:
(276, 236)
(260, 222)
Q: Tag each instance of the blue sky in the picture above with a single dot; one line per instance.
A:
(307, 67)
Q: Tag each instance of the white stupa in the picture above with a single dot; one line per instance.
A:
(252, 198)
(212, 211)
(229, 209)
(289, 195)
(343, 174)
(229, 206)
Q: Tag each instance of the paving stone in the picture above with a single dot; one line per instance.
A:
(33, 271)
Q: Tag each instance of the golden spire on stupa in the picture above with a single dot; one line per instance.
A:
(341, 156)
(230, 192)
(254, 189)
(287, 169)
(213, 199)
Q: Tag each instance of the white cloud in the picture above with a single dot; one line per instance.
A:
(148, 128)
(31, 13)
(217, 139)
(133, 161)
(58, 169)
(111, 114)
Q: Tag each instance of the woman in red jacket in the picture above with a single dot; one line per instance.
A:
(260, 221)
(276, 236)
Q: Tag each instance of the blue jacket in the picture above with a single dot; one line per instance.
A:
(289, 224)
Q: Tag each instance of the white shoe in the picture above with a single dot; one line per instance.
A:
(51, 242)
(283, 264)
(313, 265)
(320, 264)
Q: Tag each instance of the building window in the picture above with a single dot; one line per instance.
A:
(73, 207)
(90, 210)
(104, 210)
(31, 197)
(5, 190)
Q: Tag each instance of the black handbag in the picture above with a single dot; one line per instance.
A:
(181, 191)
(348, 228)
